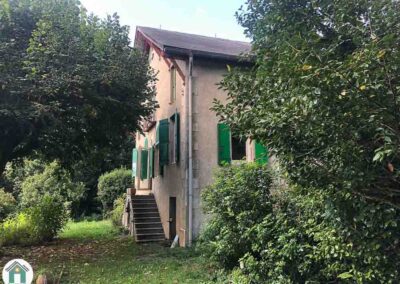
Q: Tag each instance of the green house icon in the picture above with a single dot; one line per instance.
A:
(17, 273)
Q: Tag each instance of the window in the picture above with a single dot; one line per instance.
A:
(229, 147)
(238, 147)
(173, 84)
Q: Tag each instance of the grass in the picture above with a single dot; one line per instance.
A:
(95, 252)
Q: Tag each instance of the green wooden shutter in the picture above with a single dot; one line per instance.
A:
(151, 162)
(146, 143)
(224, 143)
(134, 162)
(261, 153)
(164, 141)
(144, 162)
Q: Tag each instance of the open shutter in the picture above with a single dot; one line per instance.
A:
(224, 143)
(176, 139)
(144, 157)
(134, 162)
(261, 153)
(164, 141)
(151, 162)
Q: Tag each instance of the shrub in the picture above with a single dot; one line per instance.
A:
(7, 204)
(112, 185)
(294, 236)
(118, 211)
(237, 201)
(16, 172)
(52, 181)
(41, 222)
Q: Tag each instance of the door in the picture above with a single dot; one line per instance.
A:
(172, 218)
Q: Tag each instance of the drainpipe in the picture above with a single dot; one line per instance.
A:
(190, 188)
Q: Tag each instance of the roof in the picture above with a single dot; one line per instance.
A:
(173, 43)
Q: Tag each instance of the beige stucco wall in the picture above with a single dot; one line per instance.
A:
(206, 76)
(172, 183)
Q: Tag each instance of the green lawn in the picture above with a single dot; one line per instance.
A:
(95, 252)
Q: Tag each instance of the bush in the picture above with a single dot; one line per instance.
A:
(42, 222)
(7, 204)
(118, 211)
(52, 181)
(294, 236)
(112, 185)
(238, 200)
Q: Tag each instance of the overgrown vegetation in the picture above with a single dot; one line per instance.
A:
(282, 235)
(118, 211)
(113, 185)
(324, 92)
(95, 253)
(39, 223)
(323, 96)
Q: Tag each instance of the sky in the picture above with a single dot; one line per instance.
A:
(204, 17)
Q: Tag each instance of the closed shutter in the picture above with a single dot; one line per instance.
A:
(224, 144)
(134, 162)
(151, 162)
(261, 153)
(164, 141)
(144, 157)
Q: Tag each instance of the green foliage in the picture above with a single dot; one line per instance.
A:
(323, 94)
(48, 218)
(53, 181)
(16, 172)
(112, 185)
(118, 211)
(70, 84)
(37, 224)
(7, 204)
(238, 200)
(294, 236)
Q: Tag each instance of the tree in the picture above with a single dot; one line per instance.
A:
(323, 94)
(70, 82)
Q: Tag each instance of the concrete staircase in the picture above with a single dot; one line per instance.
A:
(146, 219)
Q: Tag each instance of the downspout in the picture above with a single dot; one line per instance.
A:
(190, 175)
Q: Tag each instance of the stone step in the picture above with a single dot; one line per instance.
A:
(143, 201)
(145, 205)
(144, 231)
(145, 210)
(145, 225)
(143, 197)
(147, 219)
(145, 214)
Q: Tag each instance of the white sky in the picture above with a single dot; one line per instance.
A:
(204, 17)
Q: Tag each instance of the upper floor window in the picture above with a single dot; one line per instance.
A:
(238, 148)
(173, 84)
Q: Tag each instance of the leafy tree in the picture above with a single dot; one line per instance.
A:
(70, 82)
(53, 181)
(324, 92)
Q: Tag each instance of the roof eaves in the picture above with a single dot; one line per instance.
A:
(153, 41)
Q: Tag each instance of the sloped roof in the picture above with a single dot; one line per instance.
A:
(172, 42)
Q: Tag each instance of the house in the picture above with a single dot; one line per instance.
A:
(183, 143)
